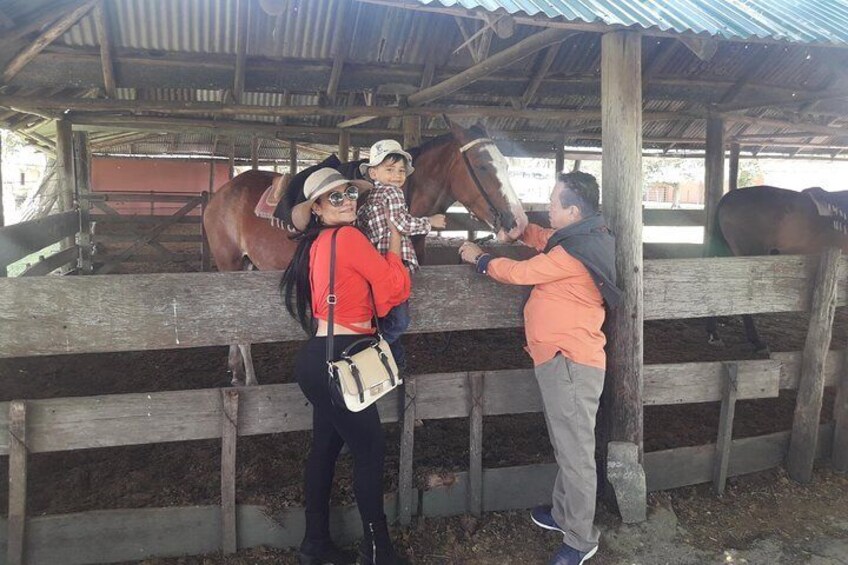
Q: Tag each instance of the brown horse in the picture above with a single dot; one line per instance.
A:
(463, 166)
(765, 220)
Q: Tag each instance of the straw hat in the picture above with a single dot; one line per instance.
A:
(381, 150)
(321, 182)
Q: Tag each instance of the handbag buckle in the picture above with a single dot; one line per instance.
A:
(331, 299)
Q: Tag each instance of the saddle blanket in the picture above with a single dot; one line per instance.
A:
(270, 199)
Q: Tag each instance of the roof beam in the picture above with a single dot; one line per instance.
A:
(539, 75)
(343, 38)
(101, 21)
(58, 28)
(242, 31)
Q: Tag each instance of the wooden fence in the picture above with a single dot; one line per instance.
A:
(145, 312)
(21, 240)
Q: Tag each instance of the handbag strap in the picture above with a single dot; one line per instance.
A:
(331, 298)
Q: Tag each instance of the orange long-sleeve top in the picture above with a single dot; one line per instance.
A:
(358, 267)
(565, 310)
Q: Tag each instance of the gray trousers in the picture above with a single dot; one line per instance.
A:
(570, 395)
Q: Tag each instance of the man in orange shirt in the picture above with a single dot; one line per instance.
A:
(572, 277)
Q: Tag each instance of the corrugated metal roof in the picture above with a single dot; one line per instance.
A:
(803, 21)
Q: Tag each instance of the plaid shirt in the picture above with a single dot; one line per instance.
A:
(386, 201)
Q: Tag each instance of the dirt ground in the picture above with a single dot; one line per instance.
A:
(763, 518)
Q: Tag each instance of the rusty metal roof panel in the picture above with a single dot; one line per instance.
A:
(801, 21)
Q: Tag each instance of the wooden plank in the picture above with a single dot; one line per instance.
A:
(805, 425)
(688, 383)
(839, 452)
(3, 270)
(66, 182)
(205, 252)
(112, 196)
(16, 541)
(47, 37)
(725, 426)
(138, 219)
(790, 367)
(406, 488)
(82, 166)
(292, 158)
(129, 237)
(45, 266)
(229, 432)
(733, 174)
(344, 145)
(475, 445)
(254, 151)
(242, 32)
(621, 115)
(411, 131)
(19, 240)
(660, 217)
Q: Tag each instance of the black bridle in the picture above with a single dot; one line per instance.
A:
(463, 150)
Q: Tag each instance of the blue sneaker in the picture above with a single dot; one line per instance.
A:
(567, 555)
(541, 516)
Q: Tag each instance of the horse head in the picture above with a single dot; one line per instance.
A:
(480, 181)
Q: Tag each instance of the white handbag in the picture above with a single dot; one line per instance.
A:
(366, 370)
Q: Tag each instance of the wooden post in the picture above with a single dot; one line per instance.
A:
(16, 548)
(559, 163)
(808, 403)
(232, 159)
(205, 256)
(242, 33)
(407, 444)
(3, 271)
(725, 426)
(229, 432)
(714, 175)
(475, 447)
(82, 166)
(411, 131)
(292, 158)
(65, 170)
(356, 155)
(254, 153)
(839, 453)
(734, 166)
(344, 145)
(621, 124)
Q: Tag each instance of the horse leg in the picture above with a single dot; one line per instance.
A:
(712, 332)
(236, 366)
(752, 334)
(250, 379)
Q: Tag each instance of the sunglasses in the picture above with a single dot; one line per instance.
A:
(337, 198)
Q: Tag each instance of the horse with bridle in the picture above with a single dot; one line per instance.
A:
(766, 220)
(463, 165)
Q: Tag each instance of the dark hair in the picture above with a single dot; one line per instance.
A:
(582, 192)
(295, 287)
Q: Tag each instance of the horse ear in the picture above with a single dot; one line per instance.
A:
(479, 125)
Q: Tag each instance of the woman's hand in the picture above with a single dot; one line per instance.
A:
(395, 239)
(470, 252)
(438, 221)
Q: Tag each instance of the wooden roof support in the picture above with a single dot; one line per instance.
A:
(242, 31)
(46, 38)
(101, 21)
(43, 17)
(539, 75)
(342, 34)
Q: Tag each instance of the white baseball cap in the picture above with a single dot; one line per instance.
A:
(381, 150)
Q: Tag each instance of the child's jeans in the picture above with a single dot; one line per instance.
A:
(392, 326)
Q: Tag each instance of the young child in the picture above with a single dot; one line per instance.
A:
(388, 167)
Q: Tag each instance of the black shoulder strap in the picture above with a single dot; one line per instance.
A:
(331, 296)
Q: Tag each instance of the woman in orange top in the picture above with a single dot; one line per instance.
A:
(360, 271)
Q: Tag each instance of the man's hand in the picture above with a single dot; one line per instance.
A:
(438, 221)
(469, 252)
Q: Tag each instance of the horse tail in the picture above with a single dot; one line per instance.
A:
(717, 245)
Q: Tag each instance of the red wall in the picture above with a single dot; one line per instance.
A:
(157, 175)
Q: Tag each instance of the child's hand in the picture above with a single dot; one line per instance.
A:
(438, 221)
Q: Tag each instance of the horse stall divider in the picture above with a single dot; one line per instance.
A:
(730, 390)
(229, 434)
(16, 540)
(808, 405)
(205, 254)
(406, 489)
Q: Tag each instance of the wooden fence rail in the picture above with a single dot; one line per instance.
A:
(19, 240)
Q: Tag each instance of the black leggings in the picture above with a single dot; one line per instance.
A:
(331, 428)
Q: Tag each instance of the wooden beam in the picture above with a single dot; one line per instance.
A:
(65, 169)
(621, 103)
(45, 16)
(730, 392)
(292, 158)
(341, 35)
(539, 75)
(101, 21)
(714, 172)
(406, 484)
(82, 177)
(344, 145)
(46, 38)
(808, 405)
(497, 61)
(734, 166)
(229, 436)
(411, 131)
(559, 159)
(3, 270)
(475, 443)
(254, 153)
(242, 32)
